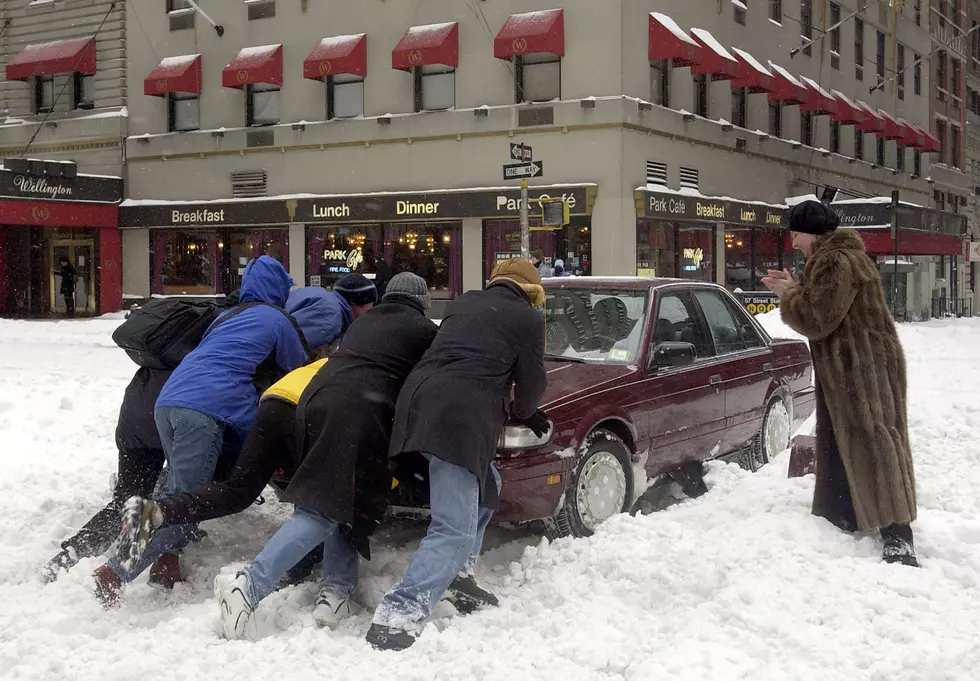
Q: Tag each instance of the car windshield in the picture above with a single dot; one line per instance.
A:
(594, 325)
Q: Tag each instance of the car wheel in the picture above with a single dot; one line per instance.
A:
(601, 486)
(773, 436)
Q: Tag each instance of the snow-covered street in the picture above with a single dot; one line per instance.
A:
(742, 583)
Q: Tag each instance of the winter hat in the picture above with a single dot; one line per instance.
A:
(408, 286)
(560, 263)
(522, 273)
(812, 217)
(356, 289)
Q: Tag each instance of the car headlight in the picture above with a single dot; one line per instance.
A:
(521, 437)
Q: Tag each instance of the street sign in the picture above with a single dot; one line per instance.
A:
(520, 152)
(517, 171)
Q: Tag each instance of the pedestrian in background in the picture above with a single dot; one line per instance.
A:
(68, 281)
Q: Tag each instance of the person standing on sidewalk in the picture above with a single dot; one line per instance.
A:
(68, 279)
(451, 411)
(865, 477)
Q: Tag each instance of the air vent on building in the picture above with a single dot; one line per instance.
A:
(740, 144)
(689, 178)
(657, 173)
(259, 138)
(260, 9)
(247, 184)
(539, 115)
(182, 20)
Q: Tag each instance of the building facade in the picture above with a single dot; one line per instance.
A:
(384, 136)
(62, 104)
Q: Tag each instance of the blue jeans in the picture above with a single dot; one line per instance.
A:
(450, 547)
(296, 538)
(192, 442)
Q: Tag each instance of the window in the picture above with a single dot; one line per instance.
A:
(435, 88)
(806, 24)
(880, 155)
(660, 82)
(701, 95)
(858, 144)
(900, 158)
(43, 94)
(975, 42)
(537, 77)
(880, 57)
(858, 48)
(917, 163)
(941, 134)
(954, 77)
(739, 9)
(835, 136)
(775, 119)
(918, 12)
(900, 68)
(177, 5)
(345, 96)
(835, 36)
(954, 204)
(678, 322)
(611, 334)
(727, 334)
(262, 107)
(183, 112)
(83, 91)
(940, 200)
(917, 74)
(806, 128)
(954, 146)
(941, 75)
(738, 106)
(776, 10)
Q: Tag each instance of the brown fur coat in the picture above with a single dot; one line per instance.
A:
(860, 385)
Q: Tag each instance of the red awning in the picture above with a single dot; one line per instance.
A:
(712, 59)
(427, 45)
(751, 73)
(818, 100)
(786, 88)
(933, 144)
(60, 56)
(848, 112)
(338, 55)
(174, 74)
(910, 242)
(892, 130)
(668, 41)
(871, 120)
(254, 66)
(531, 33)
(911, 135)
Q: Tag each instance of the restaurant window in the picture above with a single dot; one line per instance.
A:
(806, 24)
(880, 57)
(900, 68)
(537, 77)
(917, 163)
(835, 136)
(675, 249)
(900, 158)
(43, 94)
(183, 112)
(858, 48)
(83, 91)
(572, 245)
(262, 104)
(806, 128)
(660, 82)
(749, 253)
(435, 88)
(345, 96)
(775, 119)
(917, 74)
(880, 152)
(858, 144)
(701, 95)
(739, 106)
(835, 35)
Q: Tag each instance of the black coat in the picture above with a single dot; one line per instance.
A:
(455, 403)
(136, 428)
(347, 411)
(68, 279)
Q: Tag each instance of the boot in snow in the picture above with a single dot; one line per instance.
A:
(65, 559)
(382, 637)
(467, 596)
(166, 571)
(107, 586)
(899, 551)
(140, 519)
(331, 608)
(237, 621)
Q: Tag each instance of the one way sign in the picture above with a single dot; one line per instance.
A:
(520, 152)
(516, 171)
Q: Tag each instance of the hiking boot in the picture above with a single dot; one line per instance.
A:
(382, 637)
(140, 519)
(107, 586)
(331, 608)
(166, 571)
(65, 559)
(899, 551)
(467, 596)
(236, 609)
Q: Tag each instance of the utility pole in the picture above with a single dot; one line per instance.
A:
(895, 261)
(525, 225)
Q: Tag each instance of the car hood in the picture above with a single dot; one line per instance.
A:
(568, 380)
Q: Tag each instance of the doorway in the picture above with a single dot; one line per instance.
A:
(80, 253)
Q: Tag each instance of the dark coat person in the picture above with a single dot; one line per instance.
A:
(865, 477)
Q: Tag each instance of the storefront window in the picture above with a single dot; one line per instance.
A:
(675, 249)
(695, 246)
(750, 252)
(571, 244)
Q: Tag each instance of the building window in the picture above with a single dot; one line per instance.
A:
(435, 88)
(345, 96)
(880, 57)
(835, 36)
(806, 128)
(900, 68)
(43, 94)
(917, 74)
(83, 91)
(858, 48)
(262, 106)
(917, 163)
(918, 12)
(880, 155)
(776, 10)
(739, 98)
(739, 9)
(806, 24)
(701, 95)
(537, 78)
(940, 199)
(660, 82)
(941, 134)
(183, 112)
(954, 77)
(858, 144)
(572, 245)
(835, 136)
(941, 75)
(775, 119)
(676, 249)
(975, 42)
(900, 158)
(954, 147)
(749, 253)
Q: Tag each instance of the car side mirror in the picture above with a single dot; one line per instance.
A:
(672, 354)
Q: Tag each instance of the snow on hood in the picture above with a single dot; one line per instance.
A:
(318, 312)
(265, 280)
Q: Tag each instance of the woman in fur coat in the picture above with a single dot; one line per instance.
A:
(864, 472)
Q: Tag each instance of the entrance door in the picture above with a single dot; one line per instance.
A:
(80, 253)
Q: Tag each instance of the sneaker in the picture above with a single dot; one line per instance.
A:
(900, 552)
(65, 559)
(235, 607)
(166, 571)
(140, 519)
(331, 608)
(382, 637)
(107, 585)
(467, 596)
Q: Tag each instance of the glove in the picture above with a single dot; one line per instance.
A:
(537, 422)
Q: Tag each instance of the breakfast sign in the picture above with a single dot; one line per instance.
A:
(672, 206)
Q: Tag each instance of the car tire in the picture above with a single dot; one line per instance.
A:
(601, 487)
(773, 436)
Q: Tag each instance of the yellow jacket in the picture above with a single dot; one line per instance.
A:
(290, 387)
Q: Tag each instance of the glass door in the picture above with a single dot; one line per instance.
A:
(79, 253)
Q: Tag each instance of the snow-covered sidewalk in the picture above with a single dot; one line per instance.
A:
(740, 584)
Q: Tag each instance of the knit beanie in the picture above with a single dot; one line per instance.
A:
(408, 286)
(522, 273)
(812, 217)
(356, 289)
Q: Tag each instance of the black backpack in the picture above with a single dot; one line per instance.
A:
(162, 332)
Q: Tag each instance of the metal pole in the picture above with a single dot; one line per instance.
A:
(525, 228)
(895, 261)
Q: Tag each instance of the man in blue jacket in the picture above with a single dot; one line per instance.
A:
(212, 390)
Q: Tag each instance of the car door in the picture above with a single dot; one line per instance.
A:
(744, 363)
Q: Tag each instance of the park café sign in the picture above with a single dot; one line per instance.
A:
(682, 207)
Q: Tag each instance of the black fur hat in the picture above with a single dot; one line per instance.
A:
(812, 217)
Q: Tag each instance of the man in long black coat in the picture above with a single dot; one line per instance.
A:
(452, 410)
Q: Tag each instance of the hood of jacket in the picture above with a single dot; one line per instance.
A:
(322, 315)
(265, 280)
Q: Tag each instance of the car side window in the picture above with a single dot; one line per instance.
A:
(750, 336)
(678, 321)
(724, 330)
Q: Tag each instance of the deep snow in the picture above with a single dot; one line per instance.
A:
(740, 584)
